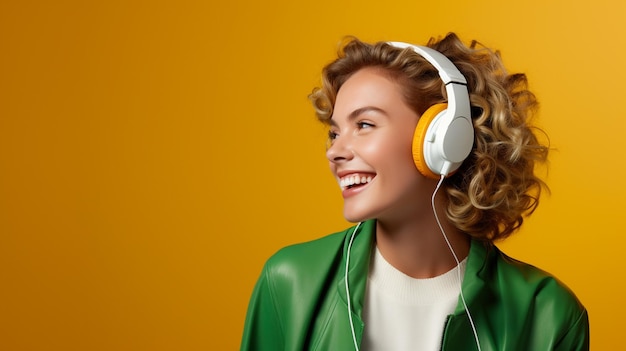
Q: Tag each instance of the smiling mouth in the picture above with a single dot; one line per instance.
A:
(355, 180)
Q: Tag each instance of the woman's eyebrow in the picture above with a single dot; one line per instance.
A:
(359, 111)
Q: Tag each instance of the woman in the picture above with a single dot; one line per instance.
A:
(435, 156)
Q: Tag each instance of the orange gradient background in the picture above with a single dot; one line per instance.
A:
(153, 154)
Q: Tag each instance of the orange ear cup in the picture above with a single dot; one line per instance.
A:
(419, 137)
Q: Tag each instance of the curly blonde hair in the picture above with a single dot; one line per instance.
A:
(496, 186)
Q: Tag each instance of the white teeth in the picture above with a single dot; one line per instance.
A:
(353, 179)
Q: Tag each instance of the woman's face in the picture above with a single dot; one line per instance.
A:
(370, 154)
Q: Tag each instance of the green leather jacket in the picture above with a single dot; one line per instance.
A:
(299, 302)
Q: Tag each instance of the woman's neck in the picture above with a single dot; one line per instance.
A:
(417, 247)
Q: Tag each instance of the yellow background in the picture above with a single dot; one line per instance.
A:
(153, 154)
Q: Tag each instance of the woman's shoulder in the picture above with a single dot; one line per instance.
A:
(524, 284)
(546, 304)
(521, 274)
(307, 259)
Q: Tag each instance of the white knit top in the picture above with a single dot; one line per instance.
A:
(404, 313)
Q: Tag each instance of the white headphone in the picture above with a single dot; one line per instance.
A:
(444, 135)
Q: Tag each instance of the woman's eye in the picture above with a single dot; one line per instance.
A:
(363, 125)
(332, 135)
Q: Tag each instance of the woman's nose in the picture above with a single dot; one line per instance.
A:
(340, 149)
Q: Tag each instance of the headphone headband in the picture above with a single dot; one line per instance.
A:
(447, 70)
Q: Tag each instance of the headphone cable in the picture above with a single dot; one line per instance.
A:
(356, 345)
(455, 259)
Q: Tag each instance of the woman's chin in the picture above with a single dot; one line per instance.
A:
(355, 217)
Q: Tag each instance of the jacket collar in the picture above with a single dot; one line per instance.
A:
(360, 253)
(476, 273)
